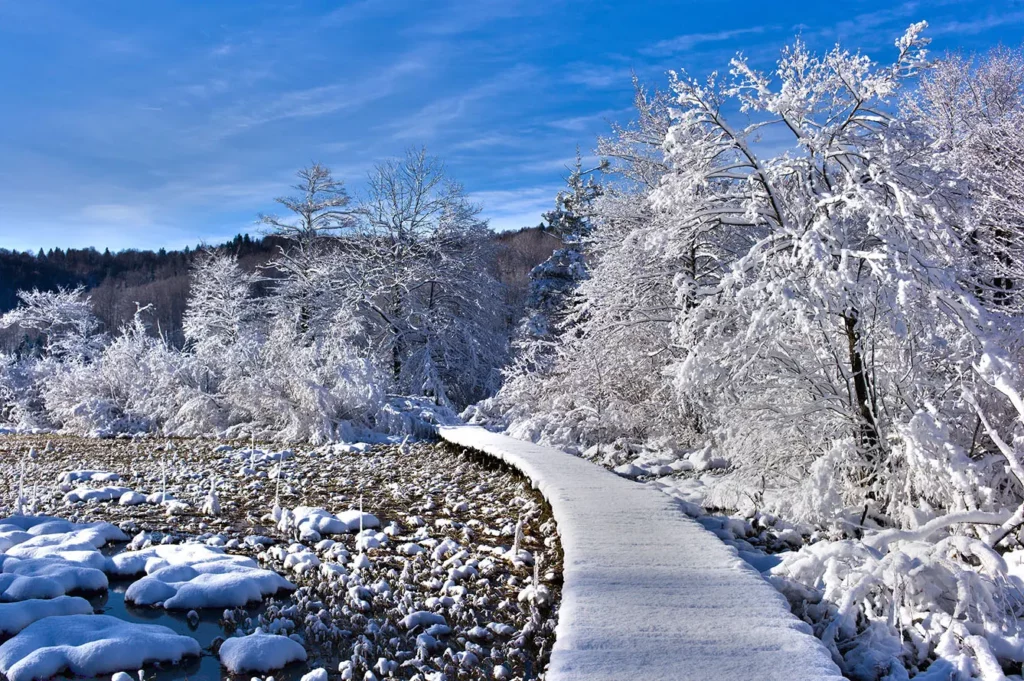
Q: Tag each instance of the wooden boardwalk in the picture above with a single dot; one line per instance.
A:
(649, 594)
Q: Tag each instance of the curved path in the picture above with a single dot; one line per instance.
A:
(649, 594)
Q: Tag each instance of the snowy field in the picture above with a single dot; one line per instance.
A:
(199, 559)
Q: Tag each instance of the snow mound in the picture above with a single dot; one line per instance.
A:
(95, 494)
(315, 522)
(258, 652)
(154, 558)
(46, 537)
(68, 477)
(318, 674)
(16, 616)
(48, 577)
(89, 645)
(208, 584)
(97, 534)
(194, 576)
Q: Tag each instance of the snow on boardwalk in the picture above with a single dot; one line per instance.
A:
(649, 594)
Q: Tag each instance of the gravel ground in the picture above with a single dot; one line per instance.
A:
(447, 544)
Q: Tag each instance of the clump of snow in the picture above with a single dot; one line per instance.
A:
(311, 523)
(80, 494)
(318, 674)
(16, 616)
(132, 499)
(194, 576)
(45, 557)
(89, 645)
(629, 470)
(259, 652)
(705, 459)
(153, 558)
(68, 477)
(47, 577)
(207, 584)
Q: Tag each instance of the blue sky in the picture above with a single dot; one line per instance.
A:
(165, 123)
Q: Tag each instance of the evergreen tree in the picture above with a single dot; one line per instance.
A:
(551, 299)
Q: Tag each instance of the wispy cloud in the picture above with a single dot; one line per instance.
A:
(320, 100)
(514, 208)
(118, 214)
(598, 76)
(463, 16)
(426, 123)
(975, 26)
(486, 141)
(354, 12)
(587, 122)
(685, 43)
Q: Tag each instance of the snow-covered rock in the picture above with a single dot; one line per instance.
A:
(16, 616)
(259, 652)
(131, 498)
(68, 477)
(194, 576)
(153, 558)
(47, 577)
(318, 674)
(209, 584)
(89, 645)
(705, 460)
(95, 494)
(311, 521)
(628, 470)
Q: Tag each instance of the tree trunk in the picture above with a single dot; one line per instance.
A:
(398, 347)
(867, 432)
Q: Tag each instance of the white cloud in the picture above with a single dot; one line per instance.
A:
(514, 208)
(685, 43)
(117, 214)
(976, 26)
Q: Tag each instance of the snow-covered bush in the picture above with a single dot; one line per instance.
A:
(133, 385)
(21, 399)
(929, 603)
(299, 390)
(64, 318)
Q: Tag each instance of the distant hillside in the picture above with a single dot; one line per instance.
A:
(117, 282)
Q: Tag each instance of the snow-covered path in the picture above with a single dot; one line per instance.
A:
(649, 594)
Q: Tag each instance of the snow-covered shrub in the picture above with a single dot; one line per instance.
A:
(297, 389)
(901, 602)
(64, 318)
(590, 368)
(131, 386)
(21, 399)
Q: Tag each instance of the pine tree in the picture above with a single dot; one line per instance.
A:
(551, 300)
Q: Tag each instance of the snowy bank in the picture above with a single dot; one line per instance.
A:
(647, 588)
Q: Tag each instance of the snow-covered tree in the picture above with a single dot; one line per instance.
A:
(65, 319)
(551, 300)
(419, 269)
(973, 112)
(603, 380)
(220, 303)
(319, 214)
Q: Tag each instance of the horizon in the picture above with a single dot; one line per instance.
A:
(147, 126)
